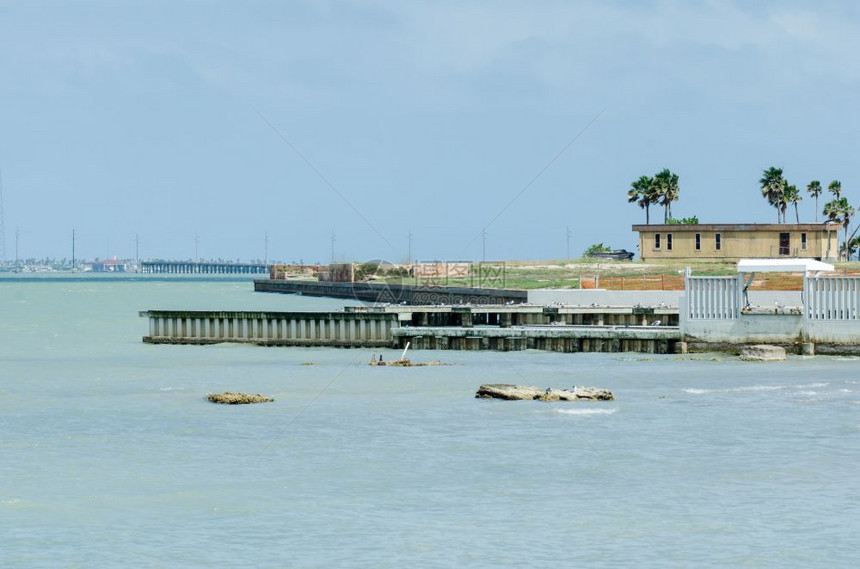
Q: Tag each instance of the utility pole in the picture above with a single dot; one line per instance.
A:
(409, 255)
(137, 252)
(196, 245)
(2, 224)
(17, 234)
(333, 239)
(568, 242)
(73, 249)
(266, 249)
(484, 244)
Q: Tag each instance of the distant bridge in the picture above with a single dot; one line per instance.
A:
(192, 268)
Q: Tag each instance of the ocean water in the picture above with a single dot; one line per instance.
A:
(110, 456)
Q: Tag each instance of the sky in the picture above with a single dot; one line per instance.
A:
(244, 130)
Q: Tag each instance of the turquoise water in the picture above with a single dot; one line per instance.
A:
(112, 457)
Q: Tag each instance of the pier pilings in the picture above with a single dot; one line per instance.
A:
(336, 329)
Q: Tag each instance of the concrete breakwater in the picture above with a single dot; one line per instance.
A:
(394, 293)
(644, 339)
(336, 329)
(445, 328)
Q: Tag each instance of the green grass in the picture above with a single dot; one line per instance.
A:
(567, 273)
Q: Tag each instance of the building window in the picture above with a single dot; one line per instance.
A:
(668, 241)
(718, 241)
(803, 241)
(656, 241)
(784, 244)
(698, 241)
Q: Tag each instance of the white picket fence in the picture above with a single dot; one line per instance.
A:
(713, 298)
(831, 298)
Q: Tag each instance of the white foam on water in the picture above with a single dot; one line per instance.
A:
(748, 388)
(587, 411)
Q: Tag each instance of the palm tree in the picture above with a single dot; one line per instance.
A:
(640, 192)
(836, 188)
(854, 245)
(840, 210)
(791, 196)
(847, 213)
(666, 189)
(814, 189)
(772, 189)
(848, 249)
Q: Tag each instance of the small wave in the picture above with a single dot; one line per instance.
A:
(747, 388)
(805, 393)
(171, 388)
(696, 391)
(587, 411)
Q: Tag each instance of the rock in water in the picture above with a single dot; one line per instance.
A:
(231, 398)
(763, 353)
(519, 392)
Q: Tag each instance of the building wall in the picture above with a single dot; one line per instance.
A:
(736, 242)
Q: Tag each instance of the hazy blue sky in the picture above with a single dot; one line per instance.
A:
(426, 116)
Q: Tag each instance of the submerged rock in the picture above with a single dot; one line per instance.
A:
(763, 353)
(231, 398)
(518, 392)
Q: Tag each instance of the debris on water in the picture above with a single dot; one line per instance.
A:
(233, 398)
(404, 363)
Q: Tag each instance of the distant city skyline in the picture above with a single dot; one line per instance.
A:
(409, 126)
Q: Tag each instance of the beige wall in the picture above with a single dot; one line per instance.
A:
(734, 245)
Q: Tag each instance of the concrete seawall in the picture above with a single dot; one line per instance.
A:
(643, 339)
(393, 293)
(335, 329)
(448, 328)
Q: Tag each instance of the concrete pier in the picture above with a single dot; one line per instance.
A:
(651, 339)
(194, 268)
(506, 315)
(394, 293)
(449, 328)
(335, 329)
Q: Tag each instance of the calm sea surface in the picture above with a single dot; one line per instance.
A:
(110, 456)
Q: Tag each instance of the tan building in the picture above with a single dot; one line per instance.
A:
(733, 241)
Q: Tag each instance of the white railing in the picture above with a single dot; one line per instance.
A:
(713, 298)
(832, 298)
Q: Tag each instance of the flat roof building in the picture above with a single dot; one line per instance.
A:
(731, 242)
